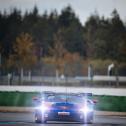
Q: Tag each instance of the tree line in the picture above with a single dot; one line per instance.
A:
(99, 38)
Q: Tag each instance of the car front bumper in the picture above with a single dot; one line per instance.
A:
(73, 116)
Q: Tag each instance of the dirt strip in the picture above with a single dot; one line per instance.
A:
(108, 113)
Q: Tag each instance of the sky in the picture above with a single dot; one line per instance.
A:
(82, 8)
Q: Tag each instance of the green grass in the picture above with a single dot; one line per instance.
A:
(105, 103)
(17, 98)
(111, 103)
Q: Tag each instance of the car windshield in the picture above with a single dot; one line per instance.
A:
(65, 98)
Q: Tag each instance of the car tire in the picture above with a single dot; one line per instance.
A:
(43, 121)
(38, 121)
(89, 121)
(82, 122)
(86, 122)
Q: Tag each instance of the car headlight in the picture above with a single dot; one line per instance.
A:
(43, 108)
(86, 109)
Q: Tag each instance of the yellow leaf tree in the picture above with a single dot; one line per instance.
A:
(24, 53)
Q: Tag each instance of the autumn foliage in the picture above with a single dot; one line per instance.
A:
(23, 56)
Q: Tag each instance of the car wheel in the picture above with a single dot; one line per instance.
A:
(82, 121)
(89, 121)
(44, 121)
(41, 121)
(37, 119)
(86, 122)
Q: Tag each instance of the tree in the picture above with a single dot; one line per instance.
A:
(105, 37)
(74, 41)
(9, 29)
(101, 42)
(67, 16)
(58, 51)
(118, 33)
(73, 64)
(122, 49)
(0, 55)
(66, 62)
(90, 31)
(72, 31)
(23, 57)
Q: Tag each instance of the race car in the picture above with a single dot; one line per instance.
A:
(65, 107)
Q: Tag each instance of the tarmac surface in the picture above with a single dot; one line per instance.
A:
(27, 119)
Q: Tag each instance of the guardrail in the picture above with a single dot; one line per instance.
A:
(69, 79)
(104, 78)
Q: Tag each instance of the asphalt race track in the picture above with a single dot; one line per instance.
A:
(27, 119)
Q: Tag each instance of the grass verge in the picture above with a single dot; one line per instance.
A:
(24, 99)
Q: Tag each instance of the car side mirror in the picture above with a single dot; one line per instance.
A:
(36, 99)
(95, 101)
